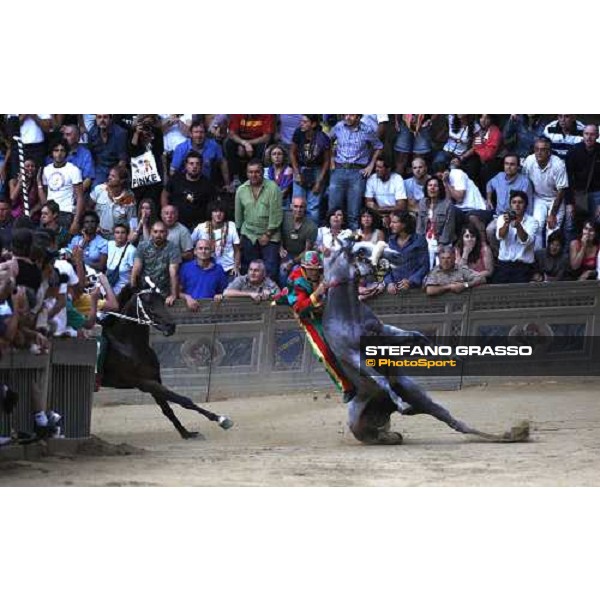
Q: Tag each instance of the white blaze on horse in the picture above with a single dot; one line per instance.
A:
(345, 320)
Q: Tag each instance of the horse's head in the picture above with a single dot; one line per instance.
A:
(350, 257)
(148, 307)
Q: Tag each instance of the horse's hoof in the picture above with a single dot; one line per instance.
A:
(389, 438)
(225, 422)
(192, 435)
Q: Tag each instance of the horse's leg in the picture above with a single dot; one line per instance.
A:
(370, 422)
(184, 402)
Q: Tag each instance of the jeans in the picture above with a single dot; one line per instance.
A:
(594, 206)
(269, 254)
(346, 191)
(313, 201)
(541, 210)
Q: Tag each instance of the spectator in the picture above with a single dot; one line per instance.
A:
(467, 198)
(436, 219)
(201, 278)
(113, 201)
(564, 133)
(223, 237)
(461, 134)
(146, 150)
(94, 246)
(551, 264)
(353, 161)
(472, 251)
(415, 185)
(248, 138)
(286, 126)
(548, 177)
(498, 191)
(369, 230)
(413, 249)
(583, 253)
(80, 156)
(208, 148)
(385, 191)
(376, 123)
(6, 223)
(5, 151)
(177, 233)
(414, 138)
(33, 130)
(258, 217)
(33, 181)
(108, 144)
(516, 231)
(328, 235)
(310, 155)
(63, 184)
(487, 143)
(449, 277)
(121, 256)
(176, 130)
(280, 172)
(49, 221)
(190, 192)
(520, 133)
(298, 234)
(142, 225)
(255, 284)
(583, 170)
(159, 260)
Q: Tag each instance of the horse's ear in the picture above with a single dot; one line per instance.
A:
(126, 293)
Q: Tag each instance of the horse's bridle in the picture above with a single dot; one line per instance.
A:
(142, 317)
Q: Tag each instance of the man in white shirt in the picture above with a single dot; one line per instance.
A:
(32, 130)
(415, 185)
(63, 184)
(516, 232)
(385, 191)
(548, 175)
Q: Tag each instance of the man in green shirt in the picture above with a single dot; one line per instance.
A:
(258, 217)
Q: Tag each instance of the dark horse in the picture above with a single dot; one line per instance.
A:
(130, 361)
(345, 321)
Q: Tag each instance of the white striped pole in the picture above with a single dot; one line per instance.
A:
(24, 189)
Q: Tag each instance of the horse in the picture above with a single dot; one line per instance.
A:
(345, 320)
(130, 361)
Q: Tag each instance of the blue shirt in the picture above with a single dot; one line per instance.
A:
(211, 153)
(502, 186)
(202, 283)
(82, 158)
(355, 145)
(414, 261)
(92, 251)
(107, 155)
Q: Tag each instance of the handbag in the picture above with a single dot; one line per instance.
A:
(144, 170)
(113, 274)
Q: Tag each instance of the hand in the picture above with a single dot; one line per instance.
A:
(236, 271)
(403, 285)
(551, 221)
(218, 298)
(585, 275)
(229, 188)
(77, 253)
(537, 278)
(170, 300)
(392, 289)
(585, 238)
(74, 229)
(469, 245)
(248, 148)
(317, 187)
(264, 239)
(321, 289)
(256, 297)
(366, 172)
(192, 304)
(457, 288)
(283, 253)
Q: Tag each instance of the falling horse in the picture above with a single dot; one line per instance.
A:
(130, 361)
(345, 320)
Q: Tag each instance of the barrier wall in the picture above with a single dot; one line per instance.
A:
(259, 349)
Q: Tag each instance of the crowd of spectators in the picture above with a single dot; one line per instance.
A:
(217, 206)
(222, 206)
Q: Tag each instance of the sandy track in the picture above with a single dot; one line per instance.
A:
(298, 441)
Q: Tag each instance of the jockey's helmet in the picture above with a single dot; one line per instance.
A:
(312, 260)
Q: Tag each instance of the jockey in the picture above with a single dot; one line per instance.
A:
(305, 293)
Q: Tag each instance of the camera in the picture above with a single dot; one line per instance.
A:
(512, 215)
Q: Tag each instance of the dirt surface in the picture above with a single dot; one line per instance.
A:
(300, 441)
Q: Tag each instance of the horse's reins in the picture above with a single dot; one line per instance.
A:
(142, 317)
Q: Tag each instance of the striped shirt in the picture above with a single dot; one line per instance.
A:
(563, 142)
(355, 145)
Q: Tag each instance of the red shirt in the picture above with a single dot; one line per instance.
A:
(488, 144)
(250, 127)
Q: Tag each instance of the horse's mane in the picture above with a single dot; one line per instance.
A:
(125, 295)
